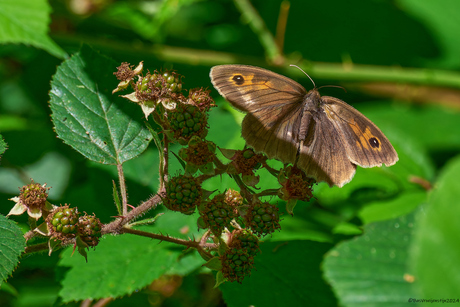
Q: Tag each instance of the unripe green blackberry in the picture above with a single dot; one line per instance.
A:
(236, 264)
(246, 240)
(263, 218)
(173, 81)
(89, 229)
(186, 121)
(183, 194)
(62, 222)
(217, 214)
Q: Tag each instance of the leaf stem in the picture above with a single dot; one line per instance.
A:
(124, 195)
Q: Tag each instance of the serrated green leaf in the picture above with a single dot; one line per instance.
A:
(12, 244)
(435, 251)
(289, 274)
(18, 27)
(120, 265)
(372, 269)
(99, 125)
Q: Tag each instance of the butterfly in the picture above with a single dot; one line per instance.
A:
(323, 136)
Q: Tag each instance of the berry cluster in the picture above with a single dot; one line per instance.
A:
(64, 224)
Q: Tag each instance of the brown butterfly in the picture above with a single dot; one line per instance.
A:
(323, 136)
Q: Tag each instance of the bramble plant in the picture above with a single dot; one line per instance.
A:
(234, 221)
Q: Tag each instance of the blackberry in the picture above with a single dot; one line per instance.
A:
(62, 223)
(89, 229)
(217, 214)
(236, 264)
(186, 121)
(183, 194)
(263, 218)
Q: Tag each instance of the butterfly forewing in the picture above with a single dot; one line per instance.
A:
(250, 88)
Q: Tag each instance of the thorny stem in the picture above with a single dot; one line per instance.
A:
(115, 226)
(165, 163)
(124, 197)
(188, 243)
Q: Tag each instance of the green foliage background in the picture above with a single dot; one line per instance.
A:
(379, 241)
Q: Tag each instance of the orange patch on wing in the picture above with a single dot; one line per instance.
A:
(364, 137)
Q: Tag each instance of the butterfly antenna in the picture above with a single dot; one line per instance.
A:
(338, 86)
(305, 74)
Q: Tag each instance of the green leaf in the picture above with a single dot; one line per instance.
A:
(372, 269)
(120, 265)
(389, 209)
(214, 264)
(289, 274)
(12, 244)
(19, 27)
(88, 117)
(440, 18)
(3, 145)
(435, 251)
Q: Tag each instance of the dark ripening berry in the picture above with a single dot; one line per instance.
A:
(89, 229)
(244, 239)
(63, 223)
(263, 218)
(217, 213)
(236, 264)
(183, 194)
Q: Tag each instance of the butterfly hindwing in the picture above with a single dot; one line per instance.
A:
(323, 156)
(365, 144)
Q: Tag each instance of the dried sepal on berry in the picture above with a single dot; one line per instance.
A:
(125, 73)
(295, 185)
(201, 98)
(198, 155)
(183, 194)
(33, 199)
(244, 162)
(63, 223)
(263, 218)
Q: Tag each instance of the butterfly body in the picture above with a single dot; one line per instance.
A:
(322, 135)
